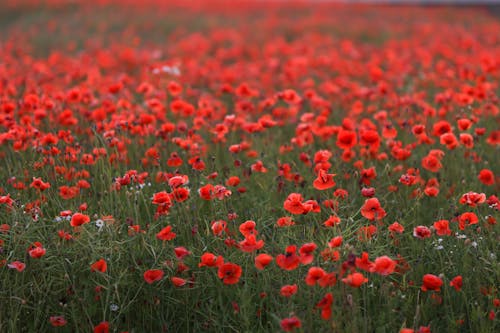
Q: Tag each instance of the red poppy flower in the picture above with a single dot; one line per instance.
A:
(210, 260)
(288, 290)
(305, 251)
(229, 273)
(289, 324)
(332, 221)
(355, 280)
(102, 327)
(36, 250)
(99, 266)
(396, 227)
(472, 199)
(372, 210)
(262, 260)
(326, 306)
(219, 227)
(487, 177)
(285, 221)
(247, 228)
(181, 252)
(364, 262)
(324, 180)
(153, 275)
(457, 283)
(250, 244)
(421, 232)
(383, 265)
(466, 219)
(38, 184)
(162, 198)
(166, 234)
(314, 275)
(178, 282)
(78, 219)
(288, 261)
(335, 241)
(17, 265)
(57, 321)
(431, 282)
(442, 228)
(294, 204)
(346, 139)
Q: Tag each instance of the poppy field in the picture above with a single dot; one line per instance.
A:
(248, 166)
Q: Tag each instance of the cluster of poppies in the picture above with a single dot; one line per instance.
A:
(262, 155)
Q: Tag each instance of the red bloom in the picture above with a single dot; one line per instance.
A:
(39, 184)
(326, 306)
(305, 251)
(162, 198)
(324, 180)
(262, 260)
(207, 192)
(57, 321)
(472, 199)
(466, 219)
(332, 221)
(421, 232)
(210, 260)
(431, 282)
(346, 139)
(36, 250)
(383, 265)
(364, 262)
(166, 234)
(99, 266)
(247, 228)
(289, 324)
(181, 252)
(78, 219)
(486, 176)
(285, 221)
(219, 227)
(442, 228)
(288, 290)
(355, 280)
(250, 244)
(293, 204)
(314, 275)
(456, 283)
(103, 327)
(288, 261)
(335, 241)
(17, 265)
(229, 273)
(372, 210)
(153, 275)
(178, 282)
(396, 227)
